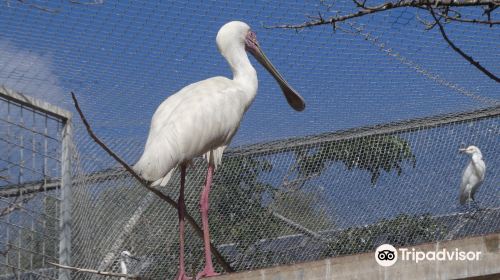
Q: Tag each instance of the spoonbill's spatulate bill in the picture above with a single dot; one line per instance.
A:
(473, 175)
(202, 118)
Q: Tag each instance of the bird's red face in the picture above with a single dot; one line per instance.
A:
(294, 99)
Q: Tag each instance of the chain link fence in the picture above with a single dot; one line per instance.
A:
(302, 199)
(34, 208)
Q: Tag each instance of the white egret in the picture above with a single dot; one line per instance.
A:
(473, 175)
(201, 119)
(125, 257)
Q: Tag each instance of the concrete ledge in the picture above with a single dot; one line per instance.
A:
(364, 266)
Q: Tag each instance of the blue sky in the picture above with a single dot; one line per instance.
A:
(124, 58)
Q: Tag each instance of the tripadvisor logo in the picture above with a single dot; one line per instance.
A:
(387, 255)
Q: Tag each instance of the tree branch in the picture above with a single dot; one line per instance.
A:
(220, 259)
(95, 2)
(105, 273)
(444, 5)
(467, 20)
(54, 11)
(38, 7)
(366, 10)
(459, 51)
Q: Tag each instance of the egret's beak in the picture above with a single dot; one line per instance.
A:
(134, 258)
(462, 150)
(292, 97)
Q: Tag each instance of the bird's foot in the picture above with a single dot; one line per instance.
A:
(182, 276)
(207, 272)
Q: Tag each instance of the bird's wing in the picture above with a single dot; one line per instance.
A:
(464, 193)
(465, 185)
(478, 178)
(201, 117)
(480, 169)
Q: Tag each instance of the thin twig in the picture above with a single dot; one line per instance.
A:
(220, 259)
(55, 11)
(469, 20)
(105, 273)
(365, 10)
(95, 2)
(459, 51)
(428, 25)
(38, 7)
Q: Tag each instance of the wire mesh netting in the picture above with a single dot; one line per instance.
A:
(30, 195)
(373, 159)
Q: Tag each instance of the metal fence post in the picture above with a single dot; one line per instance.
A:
(66, 201)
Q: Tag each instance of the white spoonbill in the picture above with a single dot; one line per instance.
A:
(473, 175)
(201, 119)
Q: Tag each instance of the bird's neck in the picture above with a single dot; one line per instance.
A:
(123, 267)
(477, 157)
(243, 71)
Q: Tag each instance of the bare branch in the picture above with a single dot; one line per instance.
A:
(54, 11)
(38, 7)
(459, 51)
(466, 20)
(220, 259)
(359, 4)
(105, 273)
(428, 25)
(328, 7)
(445, 10)
(95, 2)
(365, 10)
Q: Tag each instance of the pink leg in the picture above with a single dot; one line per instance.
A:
(209, 268)
(181, 211)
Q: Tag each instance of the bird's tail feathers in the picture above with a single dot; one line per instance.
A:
(463, 197)
(463, 200)
(154, 166)
(163, 181)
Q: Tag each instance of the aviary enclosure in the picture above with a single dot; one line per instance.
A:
(373, 158)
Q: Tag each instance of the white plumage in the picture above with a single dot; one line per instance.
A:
(473, 175)
(190, 123)
(202, 118)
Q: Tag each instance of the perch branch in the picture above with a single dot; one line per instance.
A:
(459, 51)
(105, 273)
(220, 259)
